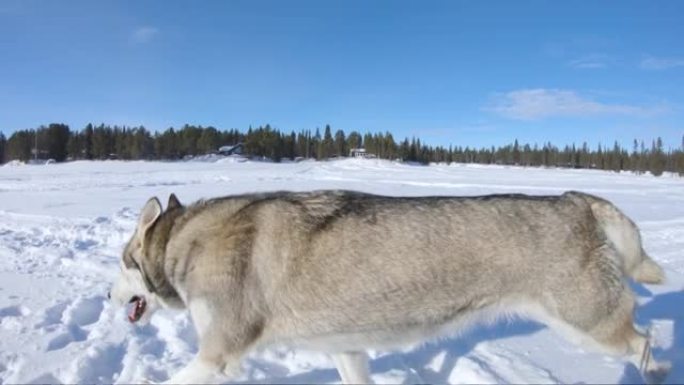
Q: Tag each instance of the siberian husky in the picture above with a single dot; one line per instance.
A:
(342, 272)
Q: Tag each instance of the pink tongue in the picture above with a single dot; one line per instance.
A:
(132, 311)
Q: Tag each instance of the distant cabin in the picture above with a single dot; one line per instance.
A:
(360, 153)
(235, 149)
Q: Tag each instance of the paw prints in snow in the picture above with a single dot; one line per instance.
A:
(11, 317)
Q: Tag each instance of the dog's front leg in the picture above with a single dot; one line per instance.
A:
(353, 367)
(200, 370)
(212, 364)
(221, 347)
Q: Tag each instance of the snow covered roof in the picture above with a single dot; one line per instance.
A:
(229, 148)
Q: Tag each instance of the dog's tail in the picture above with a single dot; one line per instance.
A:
(648, 271)
(624, 236)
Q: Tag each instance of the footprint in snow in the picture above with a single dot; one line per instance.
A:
(45, 378)
(73, 334)
(85, 244)
(100, 364)
(71, 318)
(11, 318)
(52, 316)
(14, 311)
(83, 311)
(10, 363)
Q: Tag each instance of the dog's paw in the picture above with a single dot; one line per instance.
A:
(658, 374)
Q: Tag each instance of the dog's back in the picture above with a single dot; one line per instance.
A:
(360, 264)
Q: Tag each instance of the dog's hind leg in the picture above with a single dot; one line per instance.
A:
(600, 306)
(624, 339)
(353, 367)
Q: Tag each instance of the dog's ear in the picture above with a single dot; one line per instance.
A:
(174, 203)
(150, 213)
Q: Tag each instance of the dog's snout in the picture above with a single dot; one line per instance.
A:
(109, 295)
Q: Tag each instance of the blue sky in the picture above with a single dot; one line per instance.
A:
(475, 73)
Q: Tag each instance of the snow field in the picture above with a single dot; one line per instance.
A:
(63, 226)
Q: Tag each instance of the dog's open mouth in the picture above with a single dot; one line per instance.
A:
(136, 309)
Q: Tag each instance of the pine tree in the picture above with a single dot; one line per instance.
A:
(19, 145)
(369, 143)
(616, 158)
(3, 144)
(516, 152)
(413, 151)
(142, 144)
(354, 140)
(327, 145)
(208, 140)
(680, 159)
(56, 138)
(404, 149)
(88, 141)
(340, 144)
(75, 146)
(289, 147)
(526, 155)
(390, 146)
(635, 158)
(316, 144)
(302, 144)
(307, 144)
(657, 159)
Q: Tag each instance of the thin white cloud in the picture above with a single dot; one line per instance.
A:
(659, 63)
(144, 34)
(592, 61)
(540, 103)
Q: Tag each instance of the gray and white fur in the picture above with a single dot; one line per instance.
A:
(342, 272)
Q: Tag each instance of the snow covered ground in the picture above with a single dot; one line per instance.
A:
(62, 228)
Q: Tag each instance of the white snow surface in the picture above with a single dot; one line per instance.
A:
(63, 227)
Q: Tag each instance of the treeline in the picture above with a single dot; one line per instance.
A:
(58, 142)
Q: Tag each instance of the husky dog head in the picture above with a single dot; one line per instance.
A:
(143, 284)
